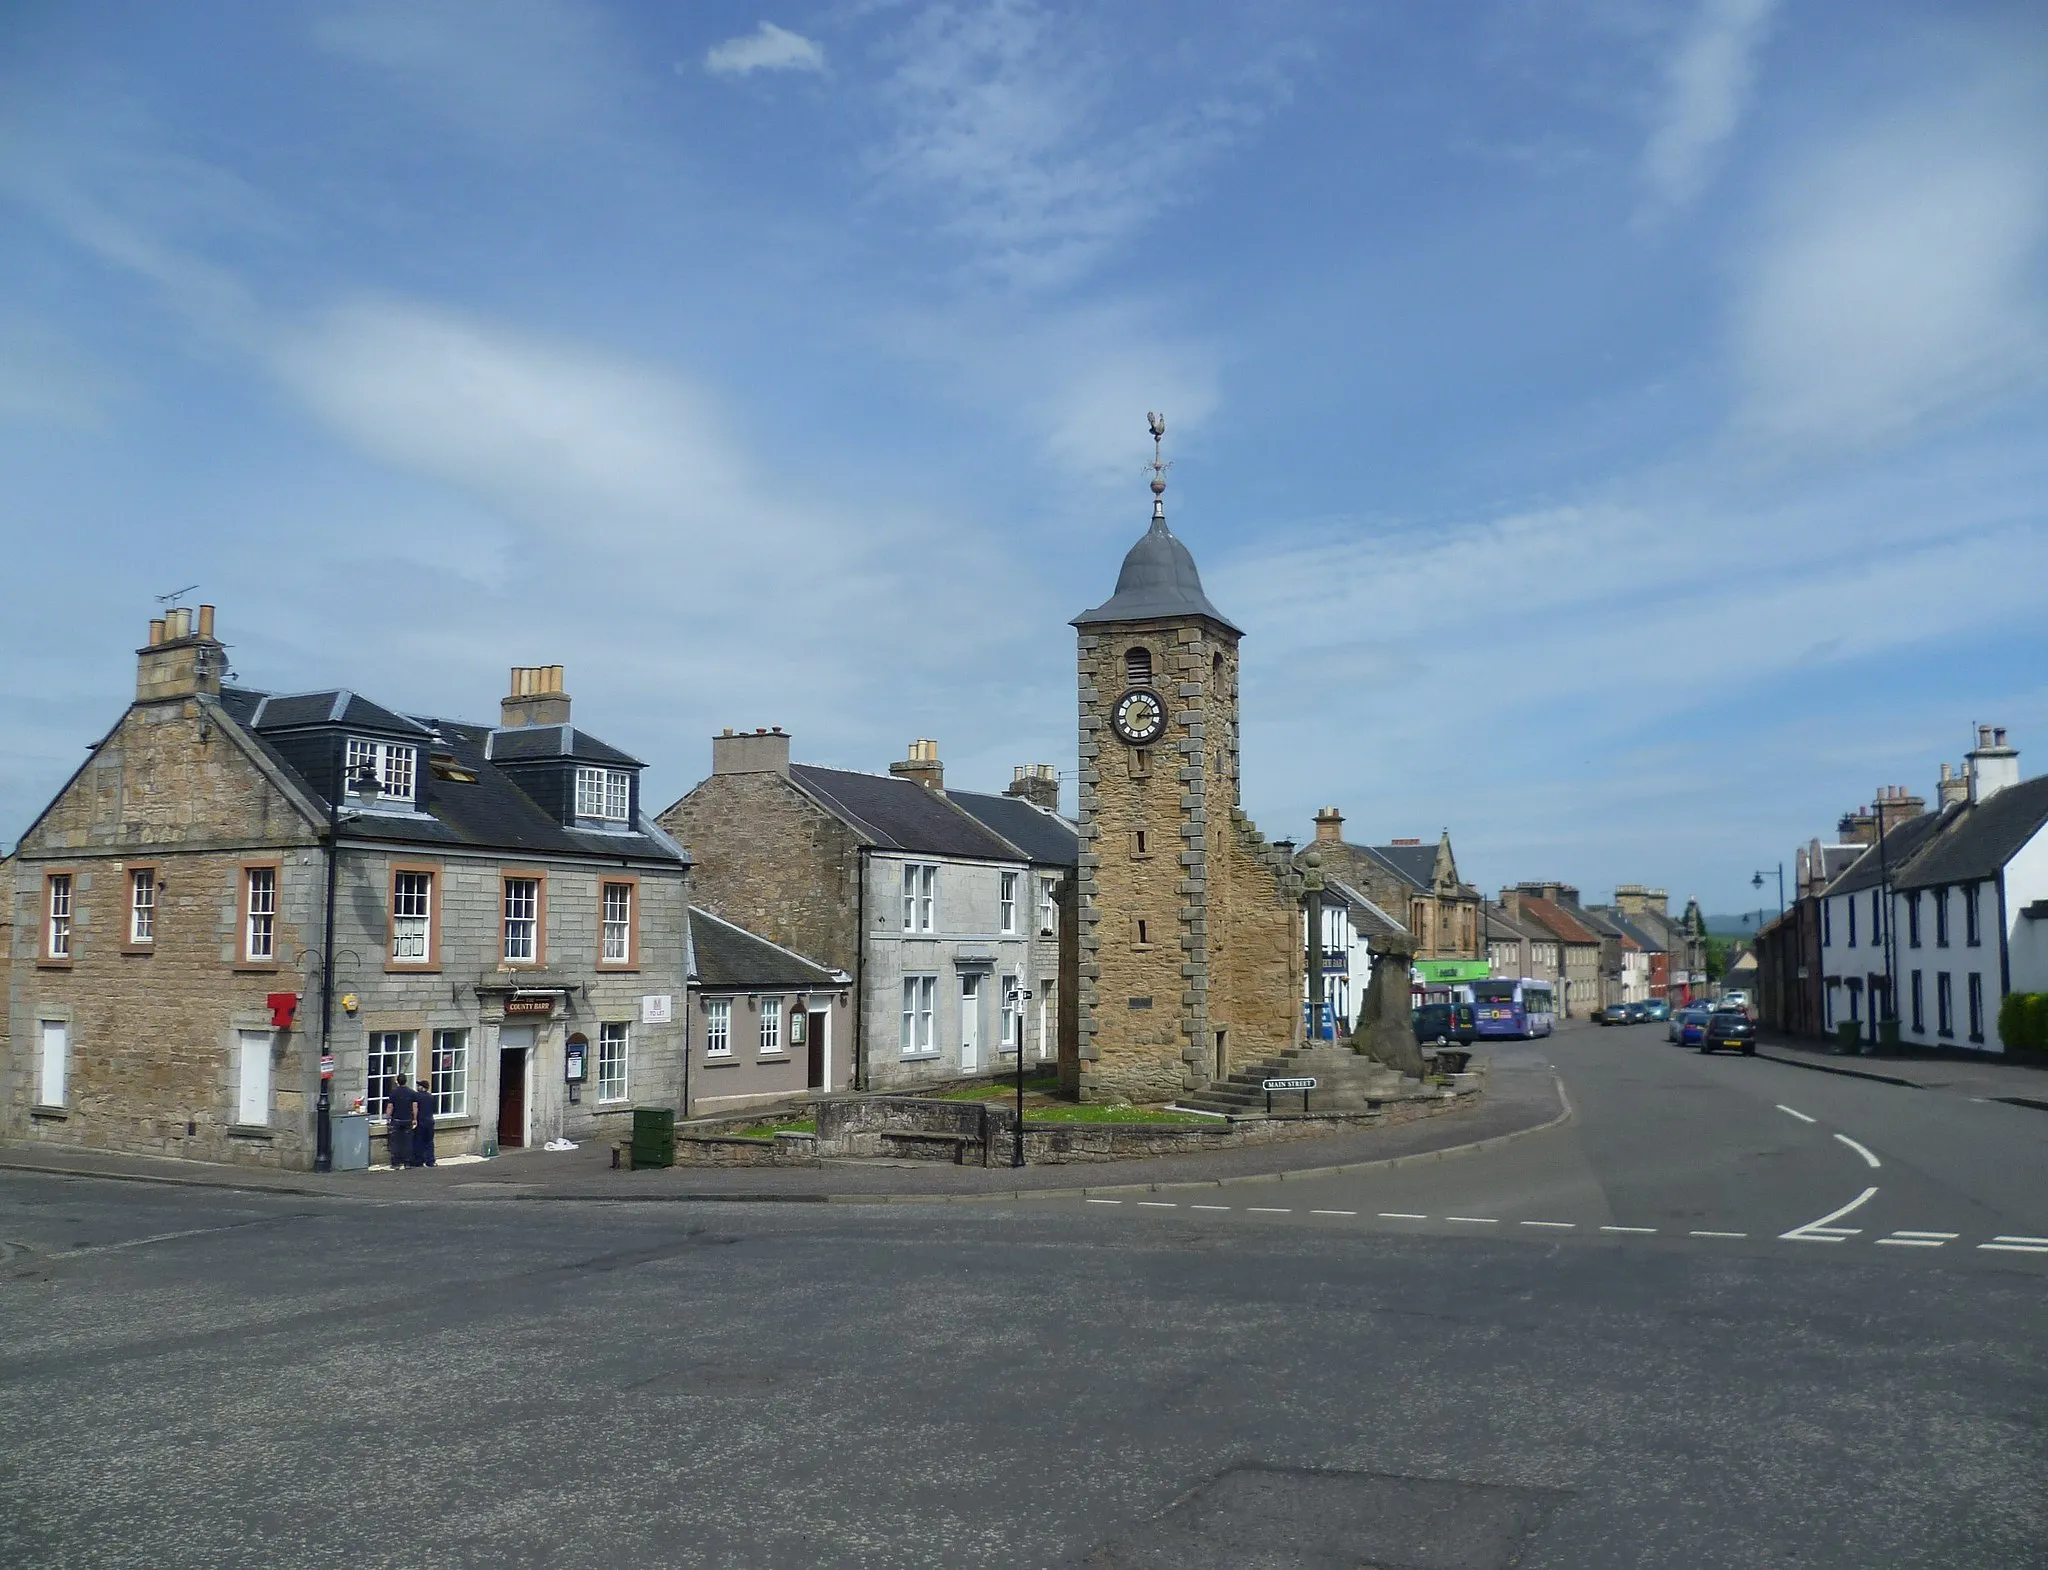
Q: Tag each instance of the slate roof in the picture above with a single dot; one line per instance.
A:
(1499, 924)
(528, 743)
(1415, 863)
(337, 706)
(730, 956)
(1158, 581)
(1979, 840)
(1640, 933)
(1048, 839)
(1901, 845)
(899, 814)
(493, 813)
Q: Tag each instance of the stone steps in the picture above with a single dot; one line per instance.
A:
(1345, 1081)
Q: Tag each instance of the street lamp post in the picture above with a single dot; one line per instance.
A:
(1757, 882)
(1017, 1138)
(365, 784)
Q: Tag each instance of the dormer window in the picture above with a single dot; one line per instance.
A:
(605, 794)
(392, 765)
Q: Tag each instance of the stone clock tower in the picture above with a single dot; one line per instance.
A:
(1191, 950)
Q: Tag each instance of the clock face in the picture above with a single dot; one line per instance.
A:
(1139, 717)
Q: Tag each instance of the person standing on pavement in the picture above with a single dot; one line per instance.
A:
(423, 1125)
(400, 1124)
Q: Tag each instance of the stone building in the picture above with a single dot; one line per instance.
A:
(766, 1024)
(1192, 951)
(237, 884)
(1549, 909)
(941, 905)
(1415, 882)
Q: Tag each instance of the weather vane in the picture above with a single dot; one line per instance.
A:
(1158, 465)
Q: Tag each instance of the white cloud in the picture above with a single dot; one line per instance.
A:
(767, 48)
(1709, 77)
(1019, 124)
(1901, 280)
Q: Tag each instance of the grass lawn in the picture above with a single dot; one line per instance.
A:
(1034, 1085)
(783, 1126)
(1089, 1112)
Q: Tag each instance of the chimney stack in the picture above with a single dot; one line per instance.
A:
(536, 698)
(1953, 788)
(182, 658)
(750, 752)
(1329, 826)
(922, 765)
(1895, 804)
(1037, 783)
(1992, 764)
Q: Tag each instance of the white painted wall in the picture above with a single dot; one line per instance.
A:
(2026, 880)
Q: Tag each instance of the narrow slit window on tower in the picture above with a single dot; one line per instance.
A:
(1142, 932)
(1140, 760)
(1138, 667)
(1140, 845)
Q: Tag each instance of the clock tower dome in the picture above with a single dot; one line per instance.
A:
(1190, 958)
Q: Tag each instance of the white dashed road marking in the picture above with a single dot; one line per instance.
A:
(1717, 1234)
(1158, 1204)
(1825, 1230)
(1401, 1215)
(1795, 1112)
(2018, 1245)
(1628, 1229)
(1269, 1210)
(1208, 1207)
(1865, 1154)
(1333, 1212)
(1105, 1202)
(1564, 1226)
(1477, 1221)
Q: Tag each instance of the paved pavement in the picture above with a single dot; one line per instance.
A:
(200, 1377)
(1520, 1099)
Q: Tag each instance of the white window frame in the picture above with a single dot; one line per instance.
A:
(1048, 904)
(391, 1052)
(718, 1027)
(259, 921)
(521, 923)
(57, 916)
(448, 1073)
(410, 925)
(614, 1052)
(920, 994)
(920, 896)
(1009, 901)
(616, 942)
(1010, 990)
(604, 794)
(395, 764)
(771, 1027)
(142, 905)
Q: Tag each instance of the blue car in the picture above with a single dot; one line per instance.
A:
(1689, 1025)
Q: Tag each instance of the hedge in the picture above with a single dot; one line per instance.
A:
(2023, 1021)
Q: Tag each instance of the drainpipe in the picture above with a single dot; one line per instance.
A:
(860, 974)
(323, 1106)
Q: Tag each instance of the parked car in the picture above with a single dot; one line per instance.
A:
(1638, 1013)
(1614, 1014)
(1657, 1009)
(1689, 1024)
(1445, 1022)
(1728, 1027)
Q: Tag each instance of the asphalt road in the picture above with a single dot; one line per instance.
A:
(213, 1378)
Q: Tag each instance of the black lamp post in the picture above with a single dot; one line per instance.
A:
(1757, 882)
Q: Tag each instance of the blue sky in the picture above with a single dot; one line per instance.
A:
(1621, 430)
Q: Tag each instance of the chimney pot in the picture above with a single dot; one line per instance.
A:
(206, 621)
(536, 698)
(156, 631)
(922, 765)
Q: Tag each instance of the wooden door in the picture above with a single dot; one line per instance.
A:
(511, 1098)
(815, 1037)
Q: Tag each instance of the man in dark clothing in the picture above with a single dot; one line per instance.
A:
(423, 1125)
(400, 1126)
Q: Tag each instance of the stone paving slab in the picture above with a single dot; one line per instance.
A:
(1516, 1102)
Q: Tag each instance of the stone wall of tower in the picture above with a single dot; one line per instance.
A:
(1217, 949)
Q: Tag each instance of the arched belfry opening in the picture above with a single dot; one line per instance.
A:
(1138, 666)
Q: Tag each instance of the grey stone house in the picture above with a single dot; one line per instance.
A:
(239, 890)
(766, 1024)
(924, 896)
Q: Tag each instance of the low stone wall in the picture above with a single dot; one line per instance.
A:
(982, 1133)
